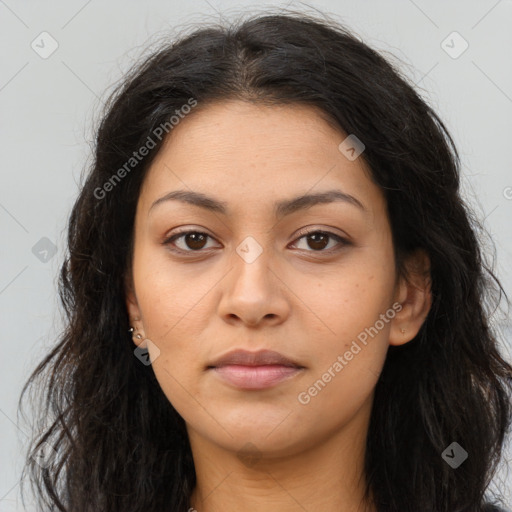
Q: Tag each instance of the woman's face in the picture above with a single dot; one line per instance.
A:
(257, 275)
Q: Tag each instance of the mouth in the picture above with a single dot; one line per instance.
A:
(254, 370)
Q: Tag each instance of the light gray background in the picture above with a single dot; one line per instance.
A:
(48, 107)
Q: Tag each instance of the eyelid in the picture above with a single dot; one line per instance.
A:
(342, 241)
(311, 230)
(181, 233)
(301, 234)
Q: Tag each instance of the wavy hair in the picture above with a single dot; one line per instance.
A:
(115, 442)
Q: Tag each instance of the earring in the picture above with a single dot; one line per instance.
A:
(131, 330)
(402, 331)
(138, 335)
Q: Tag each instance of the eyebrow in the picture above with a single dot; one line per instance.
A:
(281, 208)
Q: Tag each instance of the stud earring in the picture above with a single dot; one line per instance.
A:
(132, 330)
(138, 335)
(402, 331)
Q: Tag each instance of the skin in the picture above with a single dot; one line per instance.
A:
(265, 450)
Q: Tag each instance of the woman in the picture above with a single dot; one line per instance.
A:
(276, 298)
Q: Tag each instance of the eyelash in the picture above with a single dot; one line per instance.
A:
(343, 241)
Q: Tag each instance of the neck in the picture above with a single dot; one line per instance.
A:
(328, 477)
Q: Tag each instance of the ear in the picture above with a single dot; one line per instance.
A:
(415, 297)
(133, 310)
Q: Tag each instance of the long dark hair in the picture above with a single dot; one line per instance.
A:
(114, 442)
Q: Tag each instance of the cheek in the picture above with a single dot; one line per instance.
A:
(350, 347)
(173, 315)
(349, 300)
(348, 356)
(171, 296)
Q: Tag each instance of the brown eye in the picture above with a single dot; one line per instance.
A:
(317, 241)
(195, 240)
(188, 241)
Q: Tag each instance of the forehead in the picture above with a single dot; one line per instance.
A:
(246, 153)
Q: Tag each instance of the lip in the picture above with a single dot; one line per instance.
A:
(259, 358)
(254, 370)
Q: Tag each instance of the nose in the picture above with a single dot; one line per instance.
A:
(253, 294)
